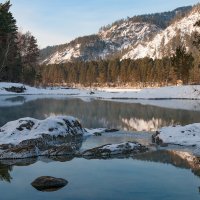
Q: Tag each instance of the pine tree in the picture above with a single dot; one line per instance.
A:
(29, 52)
(182, 63)
(10, 69)
(197, 36)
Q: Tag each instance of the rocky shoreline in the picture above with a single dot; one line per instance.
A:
(56, 136)
(63, 136)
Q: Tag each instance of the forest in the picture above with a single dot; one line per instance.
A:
(18, 51)
(19, 62)
(137, 73)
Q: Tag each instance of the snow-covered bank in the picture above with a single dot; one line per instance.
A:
(172, 92)
(188, 135)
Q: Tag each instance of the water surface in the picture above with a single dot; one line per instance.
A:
(97, 113)
(153, 176)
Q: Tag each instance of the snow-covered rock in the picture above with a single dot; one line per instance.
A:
(29, 137)
(188, 135)
(121, 149)
(26, 129)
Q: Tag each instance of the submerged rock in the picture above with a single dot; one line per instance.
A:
(48, 183)
(28, 137)
(108, 150)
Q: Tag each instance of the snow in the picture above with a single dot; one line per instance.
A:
(65, 55)
(90, 132)
(129, 33)
(188, 135)
(153, 48)
(121, 146)
(11, 133)
(116, 38)
(116, 149)
(171, 92)
(175, 97)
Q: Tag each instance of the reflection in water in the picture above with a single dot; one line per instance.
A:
(142, 125)
(6, 166)
(174, 158)
(5, 173)
(19, 99)
(97, 113)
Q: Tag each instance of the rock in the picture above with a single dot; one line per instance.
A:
(48, 183)
(111, 130)
(157, 140)
(187, 136)
(91, 93)
(97, 134)
(16, 89)
(60, 150)
(109, 150)
(28, 137)
(19, 152)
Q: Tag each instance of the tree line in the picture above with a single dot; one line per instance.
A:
(138, 73)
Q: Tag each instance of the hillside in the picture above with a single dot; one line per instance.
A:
(115, 40)
(165, 42)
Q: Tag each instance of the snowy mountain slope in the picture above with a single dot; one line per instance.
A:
(162, 44)
(113, 40)
(105, 43)
(128, 33)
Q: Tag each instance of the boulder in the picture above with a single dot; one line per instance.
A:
(28, 137)
(48, 183)
(111, 130)
(14, 89)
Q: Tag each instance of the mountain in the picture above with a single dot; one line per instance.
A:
(165, 42)
(126, 38)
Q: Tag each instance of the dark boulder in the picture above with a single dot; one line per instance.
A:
(16, 89)
(48, 183)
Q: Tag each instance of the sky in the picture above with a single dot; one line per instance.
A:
(55, 22)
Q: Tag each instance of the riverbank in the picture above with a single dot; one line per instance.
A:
(163, 93)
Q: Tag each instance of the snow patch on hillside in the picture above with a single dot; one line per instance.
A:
(153, 48)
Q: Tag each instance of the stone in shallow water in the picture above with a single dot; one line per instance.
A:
(121, 149)
(48, 183)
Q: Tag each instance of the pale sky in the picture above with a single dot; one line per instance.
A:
(59, 21)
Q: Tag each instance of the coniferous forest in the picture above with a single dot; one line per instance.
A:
(19, 62)
(18, 51)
